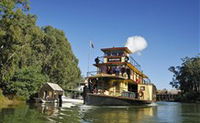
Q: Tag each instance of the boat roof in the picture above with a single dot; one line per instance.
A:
(117, 49)
(54, 86)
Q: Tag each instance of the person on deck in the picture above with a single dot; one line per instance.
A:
(117, 70)
(85, 91)
(109, 70)
(113, 70)
(128, 71)
(126, 59)
(123, 70)
(97, 60)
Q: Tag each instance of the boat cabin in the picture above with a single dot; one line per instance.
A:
(117, 61)
(51, 92)
(119, 75)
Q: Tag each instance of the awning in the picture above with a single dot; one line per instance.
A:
(103, 75)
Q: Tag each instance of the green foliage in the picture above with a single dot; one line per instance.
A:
(187, 77)
(26, 82)
(7, 7)
(30, 55)
(188, 97)
(1, 93)
(60, 63)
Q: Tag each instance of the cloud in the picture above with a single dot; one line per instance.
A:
(136, 44)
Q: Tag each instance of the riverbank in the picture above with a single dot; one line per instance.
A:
(188, 97)
(5, 102)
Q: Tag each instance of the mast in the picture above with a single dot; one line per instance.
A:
(91, 45)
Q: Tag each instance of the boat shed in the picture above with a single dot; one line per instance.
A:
(51, 92)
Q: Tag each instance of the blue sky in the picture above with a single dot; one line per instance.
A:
(171, 28)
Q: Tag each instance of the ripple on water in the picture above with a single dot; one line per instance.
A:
(158, 112)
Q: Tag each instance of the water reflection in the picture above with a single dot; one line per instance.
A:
(190, 113)
(119, 114)
(54, 113)
(70, 113)
(20, 114)
(49, 109)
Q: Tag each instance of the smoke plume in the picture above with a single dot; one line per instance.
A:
(136, 44)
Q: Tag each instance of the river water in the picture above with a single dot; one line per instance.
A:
(160, 112)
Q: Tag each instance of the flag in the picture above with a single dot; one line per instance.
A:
(91, 44)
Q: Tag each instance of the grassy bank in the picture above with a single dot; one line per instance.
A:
(4, 101)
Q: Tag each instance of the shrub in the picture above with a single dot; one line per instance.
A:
(1, 94)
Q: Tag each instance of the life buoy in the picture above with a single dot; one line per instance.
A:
(141, 94)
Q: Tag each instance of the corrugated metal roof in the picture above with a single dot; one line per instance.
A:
(55, 86)
(117, 48)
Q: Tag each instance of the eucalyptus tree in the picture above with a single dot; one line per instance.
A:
(59, 64)
(18, 37)
(30, 55)
(187, 76)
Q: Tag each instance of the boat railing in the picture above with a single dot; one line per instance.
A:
(134, 63)
(128, 94)
(146, 81)
(92, 73)
(131, 60)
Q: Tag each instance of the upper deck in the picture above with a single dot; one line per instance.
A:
(117, 61)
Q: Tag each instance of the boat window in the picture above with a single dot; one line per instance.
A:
(107, 54)
(114, 54)
(120, 53)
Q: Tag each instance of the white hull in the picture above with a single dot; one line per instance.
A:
(73, 101)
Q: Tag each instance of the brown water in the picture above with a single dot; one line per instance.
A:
(161, 112)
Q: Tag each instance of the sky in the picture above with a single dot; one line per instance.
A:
(171, 28)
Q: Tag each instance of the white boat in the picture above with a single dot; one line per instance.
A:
(70, 100)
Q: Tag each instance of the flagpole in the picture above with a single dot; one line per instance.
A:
(91, 45)
(88, 67)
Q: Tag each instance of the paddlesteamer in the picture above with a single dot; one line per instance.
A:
(118, 80)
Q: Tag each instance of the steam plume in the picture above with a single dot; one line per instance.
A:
(136, 44)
